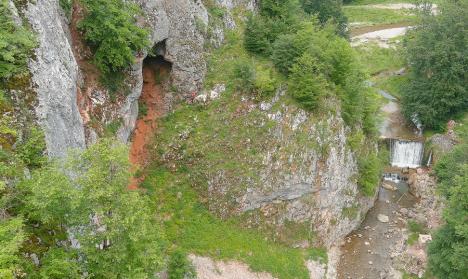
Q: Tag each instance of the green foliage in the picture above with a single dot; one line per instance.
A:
(59, 263)
(370, 168)
(31, 150)
(16, 44)
(112, 128)
(307, 83)
(369, 16)
(193, 228)
(250, 78)
(448, 252)
(415, 230)
(276, 17)
(319, 254)
(244, 76)
(375, 59)
(257, 36)
(110, 28)
(95, 199)
(179, 267)
(12, 236)
(438, 57)
(66, 6)
(327, 11)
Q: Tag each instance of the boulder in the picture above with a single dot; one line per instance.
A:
(383, 218)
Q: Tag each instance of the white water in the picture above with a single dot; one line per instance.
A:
(406, 153)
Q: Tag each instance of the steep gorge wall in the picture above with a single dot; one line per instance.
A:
(55, 75)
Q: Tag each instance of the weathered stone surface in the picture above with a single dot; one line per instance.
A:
(306, 175)
(383, 218)
(55, 74)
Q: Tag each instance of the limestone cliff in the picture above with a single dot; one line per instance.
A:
(55, 75)
(276, 166)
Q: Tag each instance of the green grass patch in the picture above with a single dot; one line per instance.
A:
(318, 254)
(415, 230)
(373, 16)
(392, 84)
(376, 60)
(190, 226)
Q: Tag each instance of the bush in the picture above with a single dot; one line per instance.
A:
(286, 49)
(31, 150)
(326, 11)
(244, 76)
(370, 167)
(16, 44)
(307, 83)
(276, 17)
(265, 83)
(256, 37)
(110, 29)
(438, 59)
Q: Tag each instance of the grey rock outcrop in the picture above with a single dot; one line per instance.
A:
(55, 75)
(175, 33)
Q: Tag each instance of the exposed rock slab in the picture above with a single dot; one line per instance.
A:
(55, 74)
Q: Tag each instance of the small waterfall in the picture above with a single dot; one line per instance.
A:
(406, 153)
(393, 177)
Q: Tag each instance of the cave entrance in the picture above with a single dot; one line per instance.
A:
(151, 106)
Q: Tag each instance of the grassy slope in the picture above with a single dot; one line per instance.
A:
(373, 16)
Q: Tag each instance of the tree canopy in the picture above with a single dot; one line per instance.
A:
(118, 234)
(438, 59)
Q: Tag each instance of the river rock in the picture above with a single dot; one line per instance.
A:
(383, 218)
(388, 186)
(424, 238)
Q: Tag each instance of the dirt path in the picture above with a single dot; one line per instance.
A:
(151, 107)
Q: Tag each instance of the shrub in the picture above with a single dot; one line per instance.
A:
(31, 150)
(16, 44)
(256, 37)
(326, 11)
(307, 83)
(110, 29)
(286, 49)
(369, 173)
(244, 76)
(265, 83)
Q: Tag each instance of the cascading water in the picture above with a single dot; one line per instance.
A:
(406, 153)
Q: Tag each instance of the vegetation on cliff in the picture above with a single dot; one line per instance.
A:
(448, 252)
(110, 28)
(16, 44)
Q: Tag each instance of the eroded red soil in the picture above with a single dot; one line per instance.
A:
(155, 70)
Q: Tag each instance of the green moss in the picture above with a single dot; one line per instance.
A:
(350, 212)
(318, 254)
(111, 129)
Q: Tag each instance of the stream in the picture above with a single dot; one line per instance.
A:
(368, 252)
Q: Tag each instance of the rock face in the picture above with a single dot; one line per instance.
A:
(287, 168)
(306, 182)
(55, 75)
(179, 24)
(177, 35)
